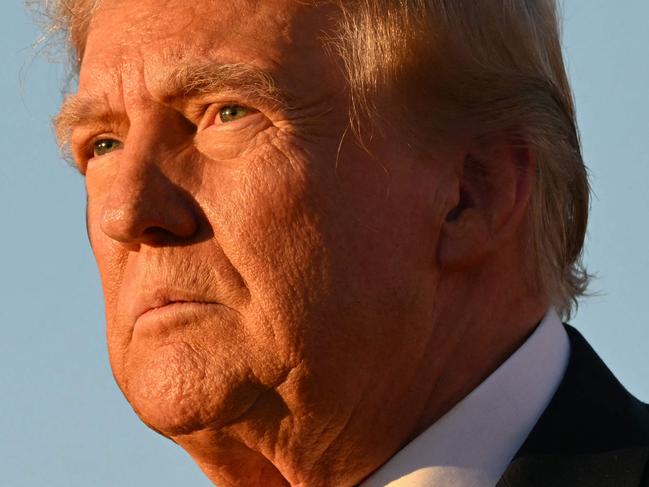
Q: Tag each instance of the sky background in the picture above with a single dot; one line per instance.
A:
(63, 421)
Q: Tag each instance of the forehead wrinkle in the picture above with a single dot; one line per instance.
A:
(168, 78)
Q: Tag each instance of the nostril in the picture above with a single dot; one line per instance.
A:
(157, 237)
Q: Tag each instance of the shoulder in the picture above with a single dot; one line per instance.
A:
(593, 433)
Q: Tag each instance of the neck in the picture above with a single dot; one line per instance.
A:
(481, 323)
(475, 335)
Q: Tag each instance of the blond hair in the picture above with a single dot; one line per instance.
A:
(478, 66)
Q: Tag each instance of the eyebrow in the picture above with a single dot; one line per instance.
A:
(182, 82)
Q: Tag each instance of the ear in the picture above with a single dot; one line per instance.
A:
(492, 196)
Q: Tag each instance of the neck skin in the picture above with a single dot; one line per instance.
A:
(487, 316)
(476, 338)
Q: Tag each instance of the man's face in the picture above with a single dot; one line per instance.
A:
(256, 263)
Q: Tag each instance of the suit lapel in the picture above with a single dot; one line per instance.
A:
(593, 433)
(611, 469)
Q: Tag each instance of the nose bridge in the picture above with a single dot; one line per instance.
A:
(154, 133)
(146, 200)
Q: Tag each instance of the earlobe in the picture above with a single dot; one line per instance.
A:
(492, 196)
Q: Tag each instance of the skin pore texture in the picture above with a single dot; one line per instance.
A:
(287, 306)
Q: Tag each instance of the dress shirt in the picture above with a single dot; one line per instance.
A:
(473, 443)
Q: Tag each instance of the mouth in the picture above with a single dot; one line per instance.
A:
(162, 311)
(173, 307)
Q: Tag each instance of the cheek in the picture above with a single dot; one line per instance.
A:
(264, 218)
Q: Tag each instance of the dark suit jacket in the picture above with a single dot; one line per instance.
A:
(593, 433)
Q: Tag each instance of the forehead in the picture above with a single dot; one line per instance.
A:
(151, 35)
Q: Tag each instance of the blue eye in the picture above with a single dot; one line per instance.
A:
(104, 146)
(230, 113)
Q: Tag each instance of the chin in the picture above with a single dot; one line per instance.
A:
(178, 390)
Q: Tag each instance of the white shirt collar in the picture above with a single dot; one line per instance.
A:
(472, 444)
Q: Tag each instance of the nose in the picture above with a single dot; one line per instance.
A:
(144, 204)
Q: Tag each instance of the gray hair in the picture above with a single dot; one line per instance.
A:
(507, 75)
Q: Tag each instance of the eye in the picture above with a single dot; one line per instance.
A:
(104, 146)
(230, 113)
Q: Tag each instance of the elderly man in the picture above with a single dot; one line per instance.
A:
(336, 239)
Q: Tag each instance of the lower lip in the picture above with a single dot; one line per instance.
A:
(173, 315)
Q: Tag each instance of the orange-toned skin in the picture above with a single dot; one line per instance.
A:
(287, 307)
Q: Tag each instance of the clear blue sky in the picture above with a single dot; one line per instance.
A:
(63, 422)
